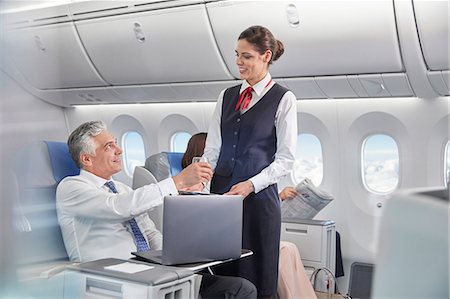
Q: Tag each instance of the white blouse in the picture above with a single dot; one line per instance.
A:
(286, 130)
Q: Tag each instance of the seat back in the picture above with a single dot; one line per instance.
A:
(142, 177)
(413, 246)
(160, 166)
(61, 161)
(38, 171)
(174, 162)
(164, 165)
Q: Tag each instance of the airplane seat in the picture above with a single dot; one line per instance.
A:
(164, 165)
(413, 246)
(39, 247)
(141, 177)
(159, 166)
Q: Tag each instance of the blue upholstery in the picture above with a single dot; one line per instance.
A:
(62, 163)
(174, 162)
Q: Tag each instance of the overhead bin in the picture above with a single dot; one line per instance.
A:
(321, 38)
(94, 9)
(46, 49)
(157, 46)
(432, 20)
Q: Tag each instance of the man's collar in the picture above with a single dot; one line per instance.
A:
(98, 181)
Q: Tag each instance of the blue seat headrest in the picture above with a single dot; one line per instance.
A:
(174, 162)
(62, 163)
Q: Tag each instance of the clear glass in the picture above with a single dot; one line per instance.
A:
(308, 159)
(447, 163)
(179, 142)
(380, 164)
(199, 159)
(133, 151)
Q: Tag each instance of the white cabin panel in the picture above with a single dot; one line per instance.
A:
(432, 19)
(336, 87)
(70, 97)
(51, 56)
(320, 37)
(397, 85)
(215, 88)
(159, 46)
(305, 88)
(101, 8)
(438, 82)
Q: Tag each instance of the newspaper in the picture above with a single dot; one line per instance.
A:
(307, 203)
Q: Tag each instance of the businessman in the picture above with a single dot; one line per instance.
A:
(102, 218)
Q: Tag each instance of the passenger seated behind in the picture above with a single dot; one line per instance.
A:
(103, 218)
(195, 148)
(293, 282)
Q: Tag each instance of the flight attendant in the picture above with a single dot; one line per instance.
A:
(251, 146)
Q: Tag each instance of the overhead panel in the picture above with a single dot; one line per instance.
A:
(156, 46)
(432, 18)
(46, 49)
(320, 37)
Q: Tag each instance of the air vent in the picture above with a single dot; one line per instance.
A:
(90, 98)
(50, 18)
(37, 17)
(106, 10)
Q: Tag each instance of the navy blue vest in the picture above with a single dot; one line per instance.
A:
(249, 141)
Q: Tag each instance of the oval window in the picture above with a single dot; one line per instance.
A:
(133, 151)
(179, 141)
(380, 162)
(308, 159)
(447, 163)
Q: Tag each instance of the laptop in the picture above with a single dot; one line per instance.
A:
(199, 228)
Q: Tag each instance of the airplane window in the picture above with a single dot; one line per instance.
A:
(133, 151)
(308, 159)
(380, 161)
(447, 163)
(179, 141)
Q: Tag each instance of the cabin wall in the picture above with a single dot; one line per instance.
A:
(419, 126)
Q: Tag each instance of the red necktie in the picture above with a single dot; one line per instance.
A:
(245, 97)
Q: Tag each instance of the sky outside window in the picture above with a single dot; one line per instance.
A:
(133, 151)
(308, 159)
(380, 162)
(179, 142)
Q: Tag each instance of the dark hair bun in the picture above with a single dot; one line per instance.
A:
(279, 51)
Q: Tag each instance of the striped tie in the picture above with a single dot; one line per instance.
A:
(141, 243)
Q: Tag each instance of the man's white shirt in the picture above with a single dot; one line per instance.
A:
(94, 221)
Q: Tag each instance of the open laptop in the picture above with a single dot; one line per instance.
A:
(199, 228)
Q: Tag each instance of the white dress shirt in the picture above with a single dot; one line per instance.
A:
(286, 130)
(94, 221)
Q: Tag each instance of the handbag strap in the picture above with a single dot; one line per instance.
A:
(329, 273)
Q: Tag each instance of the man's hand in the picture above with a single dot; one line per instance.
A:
(242, 188)
(196, 173)
(288, 193)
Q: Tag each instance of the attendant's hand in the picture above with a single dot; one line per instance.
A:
(196, 173)
(242, 188)
(288, 193)
(197, 187)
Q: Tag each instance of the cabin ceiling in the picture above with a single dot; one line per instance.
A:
(106, 52)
